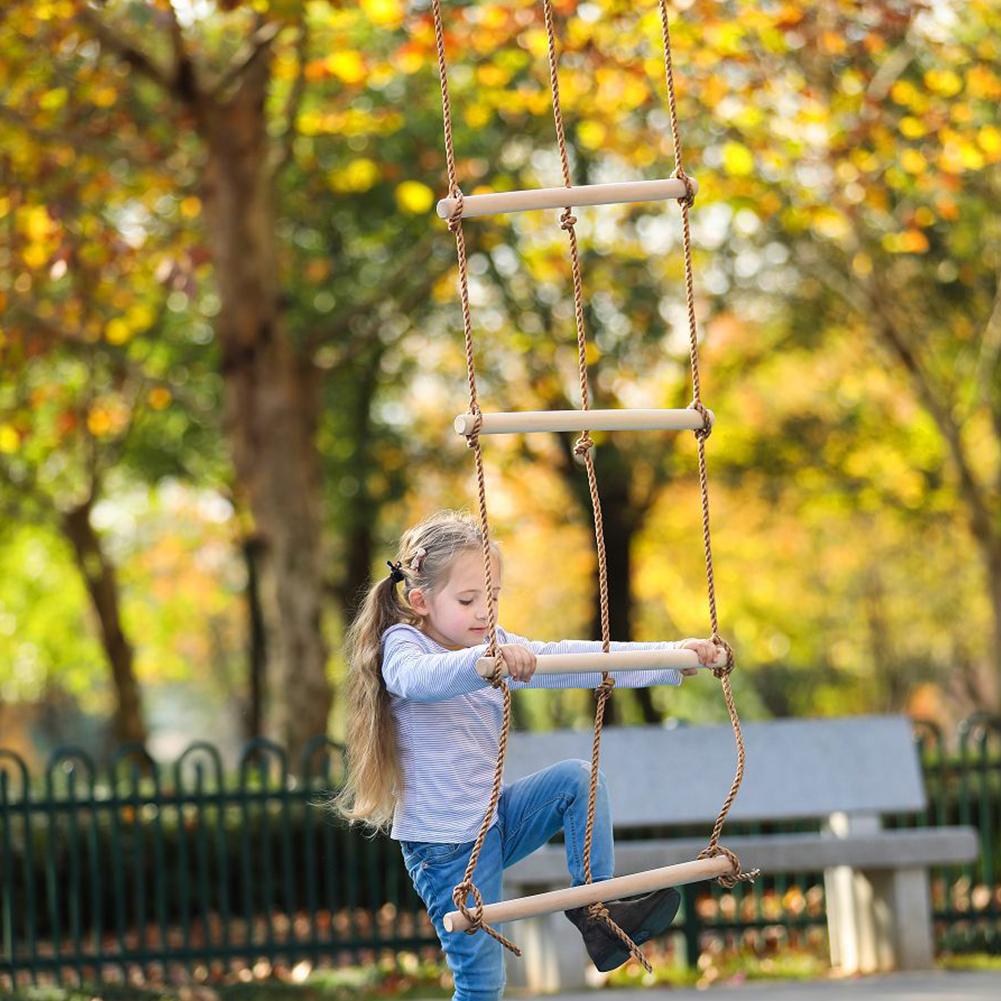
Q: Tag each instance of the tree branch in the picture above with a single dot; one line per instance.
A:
(125, 50)
(261, 38)
(294, 99)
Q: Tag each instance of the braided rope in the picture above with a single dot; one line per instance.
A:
(722, 673)
(582, 448)
(466, 887)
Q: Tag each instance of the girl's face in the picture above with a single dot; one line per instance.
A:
(456, 614)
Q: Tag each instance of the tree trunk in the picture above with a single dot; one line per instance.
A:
(270, 409)
(256, 643)
(992, 559)
(99, 576)
(619, 529)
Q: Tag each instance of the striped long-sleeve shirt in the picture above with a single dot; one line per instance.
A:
(448, 723)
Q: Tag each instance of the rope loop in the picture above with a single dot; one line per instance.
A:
(738, 875)
(599, 912)
(459, 895)
(497, 679)
(703, 432)
(473, 436)
(727, 668)
(455, 216)
(606, 686)
(689, 200)
(567, 219)
(583, 444)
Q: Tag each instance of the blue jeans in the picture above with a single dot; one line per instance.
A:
(529, 813)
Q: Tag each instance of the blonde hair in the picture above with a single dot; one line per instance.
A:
(374, 779)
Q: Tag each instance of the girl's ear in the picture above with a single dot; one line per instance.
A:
(418, 602)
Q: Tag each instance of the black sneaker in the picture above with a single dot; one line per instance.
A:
(641, 918)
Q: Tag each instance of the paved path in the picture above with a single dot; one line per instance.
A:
(938, 985)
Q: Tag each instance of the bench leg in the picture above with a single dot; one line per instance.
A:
(553, 957)
(905, 894)
(879, 920)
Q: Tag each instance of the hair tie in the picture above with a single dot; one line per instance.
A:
(396, 573)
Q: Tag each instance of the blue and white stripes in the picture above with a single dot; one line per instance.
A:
(448, 722)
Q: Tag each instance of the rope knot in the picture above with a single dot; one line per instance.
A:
(473, 437)
(455, 216)
(606, 686)
(703, 432)
(495, 678)
(459, 895)
(583, 444)
(567, 220)
(727, 668)
(689, 200)
(738, 875)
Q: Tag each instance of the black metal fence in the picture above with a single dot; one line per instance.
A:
(149, 873)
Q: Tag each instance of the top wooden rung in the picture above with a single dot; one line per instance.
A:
(557, 198)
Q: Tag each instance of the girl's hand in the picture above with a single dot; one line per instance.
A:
(707, 651)
(520, 661)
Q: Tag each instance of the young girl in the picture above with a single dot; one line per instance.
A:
(422, 735)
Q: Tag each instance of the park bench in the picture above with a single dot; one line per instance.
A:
(845, 773)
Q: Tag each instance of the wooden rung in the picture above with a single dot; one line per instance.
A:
(579, 420)
(591, 893)
(557, 198)
(614, 660)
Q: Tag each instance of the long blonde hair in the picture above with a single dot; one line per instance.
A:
(374, 779)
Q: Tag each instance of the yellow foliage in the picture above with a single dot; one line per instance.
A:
(477, 115)
(159, 398)
(9, 439)
(833, 42)
(947, 208)
(591, 134)
(904, 92)
(414, 198)
(34, 222)
(35, 255)
(53, 100)
(359, 175)
(492, 76)
(911, 241)
(943, 81)
(738, 161)
(140, 316)
(104, 97)
(117, 331)
(989, 138)
(99, 422)
(912, 161)
(191, 206)
(912, 128)
(348, 66)
(830, 223)
(981, 82)
(384, 13)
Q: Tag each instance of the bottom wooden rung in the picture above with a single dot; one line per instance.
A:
(591, 893)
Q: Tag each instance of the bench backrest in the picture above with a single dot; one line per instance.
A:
(796, 769)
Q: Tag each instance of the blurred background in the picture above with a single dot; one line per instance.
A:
(232, 350)
(231, 355)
